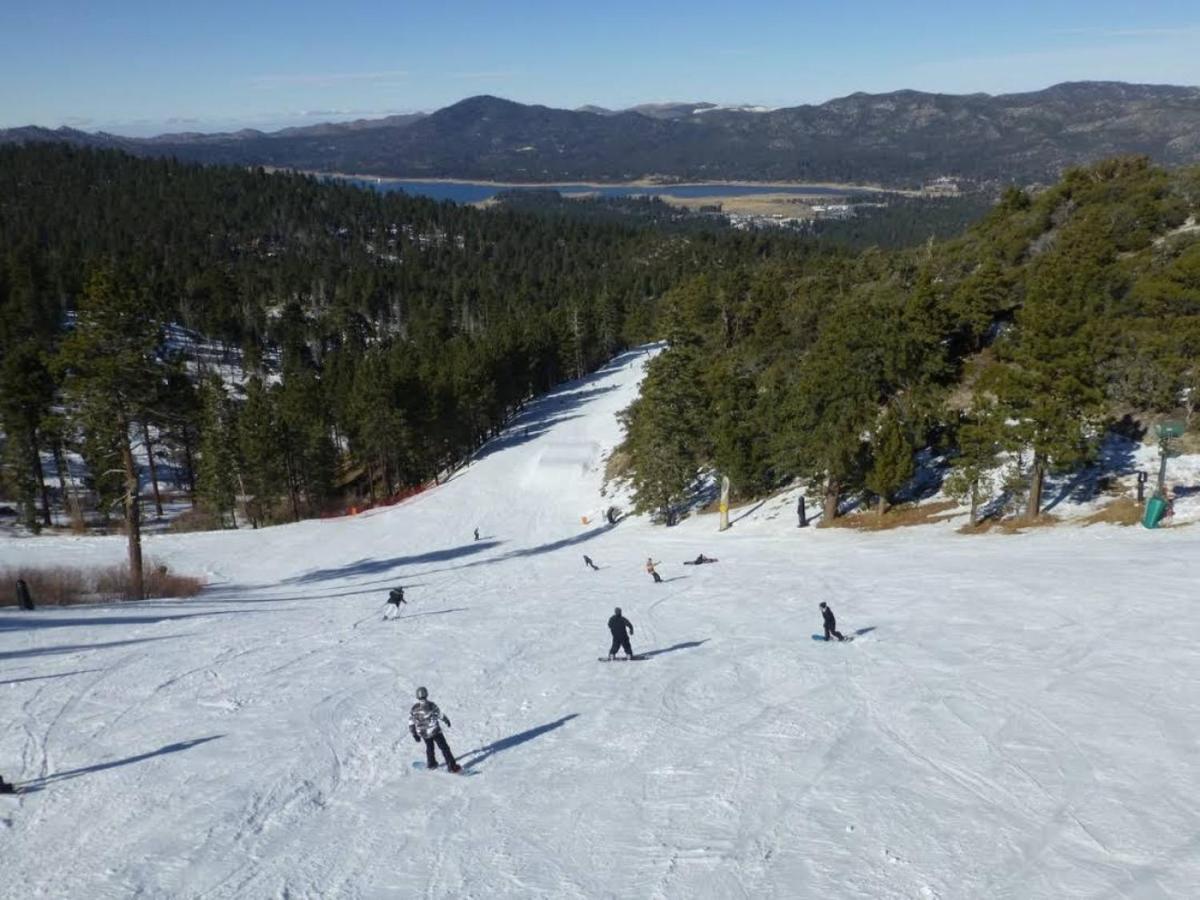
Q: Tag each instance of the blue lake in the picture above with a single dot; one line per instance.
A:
(474, 192)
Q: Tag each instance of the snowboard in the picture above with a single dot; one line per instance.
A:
(621, 659)
(424, 768)
(821, 638)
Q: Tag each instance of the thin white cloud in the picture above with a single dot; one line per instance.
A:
(482, 76)
(327, 79)
(1173, 31)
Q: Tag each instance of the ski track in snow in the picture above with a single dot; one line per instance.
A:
(1017, 718)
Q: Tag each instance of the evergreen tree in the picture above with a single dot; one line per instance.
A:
(260, 453)
(666, 436)
(218, 458)
(110, 367)
(980, 441)
(891, 459)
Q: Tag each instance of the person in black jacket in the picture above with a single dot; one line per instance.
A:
(830, 622)
(396, 597)
(6, 788)
(621, 628)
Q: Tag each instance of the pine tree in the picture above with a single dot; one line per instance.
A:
(110, 367)
(891, 459)
(260, 452)
(980, 439)
(666, 435)
(218, 460)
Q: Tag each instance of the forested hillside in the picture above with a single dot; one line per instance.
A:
(1019, 341)
(381, 337)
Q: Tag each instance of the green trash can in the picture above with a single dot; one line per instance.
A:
(1155, 508)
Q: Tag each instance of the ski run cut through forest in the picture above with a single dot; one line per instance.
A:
(1017, 716)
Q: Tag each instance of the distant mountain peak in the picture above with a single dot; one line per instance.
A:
(901, 138)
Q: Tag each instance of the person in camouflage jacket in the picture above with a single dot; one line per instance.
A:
(425, 723)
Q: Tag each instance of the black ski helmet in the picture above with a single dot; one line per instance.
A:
(617, 610)
(422, 693)
(822, 604)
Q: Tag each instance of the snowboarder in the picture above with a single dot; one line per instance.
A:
(830, 622)
(396, 597)
(587, 561)
(650, 564)
(621, 628)
(476, 534)
(700, 560)
(424, 722)
(5, 787)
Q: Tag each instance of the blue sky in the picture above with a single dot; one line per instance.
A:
(139, 67)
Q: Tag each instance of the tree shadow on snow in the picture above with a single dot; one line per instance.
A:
(55, 675)
(116, 763)
(376, 566)
(514, 740)
(80, 648)
(11, 623)
(686, 645)
(435, 612)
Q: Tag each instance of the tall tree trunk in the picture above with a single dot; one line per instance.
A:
(158, 510)
(291, 480)
(883, 506)
(133, 517)
(190, 465)
(70, 501)
(974, 503)
(35, 459)
(1036, 477)
(833, 490)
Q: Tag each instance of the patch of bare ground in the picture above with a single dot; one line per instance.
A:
(618, 466)
(901, 516)
(70, 585)
(1014, 525)
(1122, 511)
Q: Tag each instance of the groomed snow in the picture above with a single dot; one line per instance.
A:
(1017, 719)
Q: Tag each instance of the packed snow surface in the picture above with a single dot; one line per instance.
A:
(1017, 717)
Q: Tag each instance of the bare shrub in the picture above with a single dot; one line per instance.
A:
(901, 516)
(54, 586)
(194, 520)
(68, 585)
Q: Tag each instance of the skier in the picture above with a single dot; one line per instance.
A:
(650, 564)
(830, 622)
(476, 534)
(587, 561)
(424, 721)
(5, 787)
(396, 597)
(621, 628)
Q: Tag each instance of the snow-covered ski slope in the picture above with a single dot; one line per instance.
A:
(1018, 717)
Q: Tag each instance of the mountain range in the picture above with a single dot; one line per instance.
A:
(898, 139)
